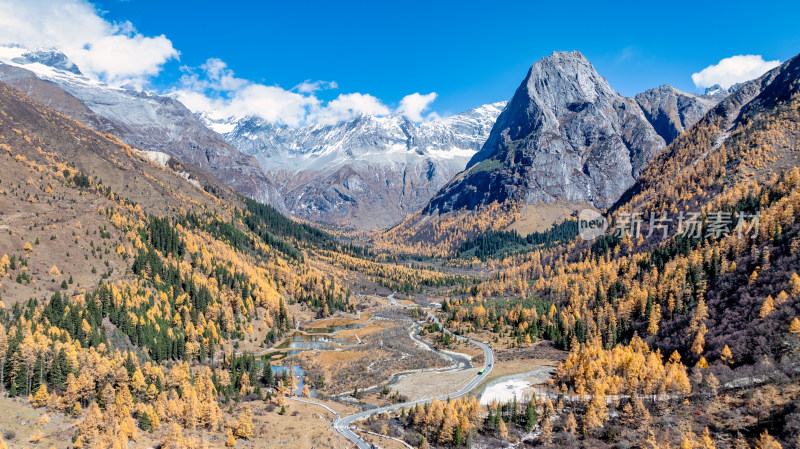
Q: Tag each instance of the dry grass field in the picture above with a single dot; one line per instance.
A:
(303, 426)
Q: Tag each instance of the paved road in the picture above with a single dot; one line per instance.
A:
(394, 302)
(342, 425)
(335, 413)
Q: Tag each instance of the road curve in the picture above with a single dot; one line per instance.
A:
(342, 425)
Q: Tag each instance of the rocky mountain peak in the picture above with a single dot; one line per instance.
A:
(715, 89)
(573, 77)
(672, 111)
(566, 135)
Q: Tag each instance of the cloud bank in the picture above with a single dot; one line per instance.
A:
(112, 52)
(735, 69)
(117, 54)
(214, 91)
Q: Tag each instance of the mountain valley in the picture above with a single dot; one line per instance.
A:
(571, 268)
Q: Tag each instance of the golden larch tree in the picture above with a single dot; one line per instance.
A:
(726, 355)
(794, 282)
(794, 326)
(766, 441)
(766, 307)
(174, 438)
(245, 427)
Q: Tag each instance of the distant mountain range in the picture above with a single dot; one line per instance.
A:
(565, 136)
(368, 171)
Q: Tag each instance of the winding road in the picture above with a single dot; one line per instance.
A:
(342, 425)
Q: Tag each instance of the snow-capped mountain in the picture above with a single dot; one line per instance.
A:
(719, 92)
(368, 171)
(142, 119)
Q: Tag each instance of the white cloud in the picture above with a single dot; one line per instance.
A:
(735, 69)
(220, 76)
(271, 103)
(412, 106)
(214, 90)
(348, 106)
(117, 54)
(308, 86)
(113, 52)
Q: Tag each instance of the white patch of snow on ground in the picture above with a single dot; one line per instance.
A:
(505, 391)
(222, 128)
(452, 153)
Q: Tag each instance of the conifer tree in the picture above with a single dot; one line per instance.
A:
(174, 438)
(531, 417)
(794, 326)
(706, 442)
(767, 441)
(41, 396)
(502, 430)
(245, 427)
(570, 424)
(144, 422)
(727, 356)
(794, 282)
(230, 441)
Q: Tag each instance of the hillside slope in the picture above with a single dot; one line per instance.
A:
(143, 120)
(122, 283)
(691, 298)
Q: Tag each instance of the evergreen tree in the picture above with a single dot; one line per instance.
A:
(144, 422)
(531, 417)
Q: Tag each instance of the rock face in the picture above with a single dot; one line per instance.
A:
(724, 126)
(671, 111)
(564, 136)
(142, 120)
(366, 172)
(53, 96)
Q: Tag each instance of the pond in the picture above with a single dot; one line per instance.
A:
(333, 329)
(322, 342)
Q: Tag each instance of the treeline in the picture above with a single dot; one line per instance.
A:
(501, 243)
(268, 223)
(238, 239)
(456, 423)
(524, 320)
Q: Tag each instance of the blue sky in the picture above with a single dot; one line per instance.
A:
(467, 52)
